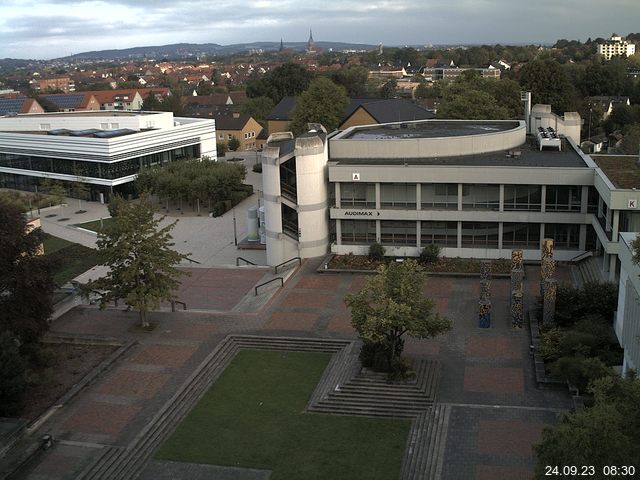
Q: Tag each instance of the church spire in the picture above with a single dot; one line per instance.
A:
(311, 44)
(281, 45)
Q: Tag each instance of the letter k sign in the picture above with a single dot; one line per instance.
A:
(632, 204)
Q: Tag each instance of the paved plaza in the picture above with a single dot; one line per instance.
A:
(497, 413)
(487, 385)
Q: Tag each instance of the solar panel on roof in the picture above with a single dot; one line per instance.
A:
(65, 101)
(10, 105)
(59, 131)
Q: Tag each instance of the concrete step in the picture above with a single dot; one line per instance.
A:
(365, 412)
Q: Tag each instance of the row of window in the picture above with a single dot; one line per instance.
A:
(444, 196)
(105, 170)
(445, 234)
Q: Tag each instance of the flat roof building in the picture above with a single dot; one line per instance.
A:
(104, 149)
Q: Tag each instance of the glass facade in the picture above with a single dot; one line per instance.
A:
(439, 196)
(398, 195)
(106, 170)
(290, 221)
(521, 235)
(398, 232)
(565, 237)
(480, 197)
(359, 195)
(523, 197)
(288, 182)
(358, 232)
(444, 234)
(479, 234)
(563, 198)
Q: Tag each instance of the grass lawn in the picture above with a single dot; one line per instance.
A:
(253, 417)
(70, 259)
(94, 225)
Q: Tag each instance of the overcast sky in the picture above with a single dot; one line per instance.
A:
(54, 28)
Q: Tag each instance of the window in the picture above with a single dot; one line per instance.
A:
(398, 195)
(289, 221)
(115, 126)
(440, 196)
(480, 197)
(521, 235)
(563, 198)
(565, 236)
(522, 197)
(444, 234)
(361, 195)
(479, 235)
(356, 232)
(229, 136)
(104, 126)
(398, 232)
(45, 126)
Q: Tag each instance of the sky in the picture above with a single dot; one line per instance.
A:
(47, 29)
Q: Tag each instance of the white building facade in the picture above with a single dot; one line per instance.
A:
(615, 47)
(104, 149)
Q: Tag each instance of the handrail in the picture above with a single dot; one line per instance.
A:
(581, 256)
(249, 262)
(173, 305)
(193, 261)
(275, 270)
(266, 283)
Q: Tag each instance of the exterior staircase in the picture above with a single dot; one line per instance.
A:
(588, 270)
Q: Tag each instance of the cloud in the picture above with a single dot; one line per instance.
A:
(49, 28)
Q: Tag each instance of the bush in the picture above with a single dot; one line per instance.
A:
(430, 254)
(257, 168)
(375, 355)
(221, 149)
(580, 371)
(376, 252)
(12, 375)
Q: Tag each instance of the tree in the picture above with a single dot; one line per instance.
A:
(392, 304)
(12, 374)
(549, 84)
(353, 79)
(388, 90)
(258, 108)
(25, 277)
(233, 144)
(631, 141)
(142, 264)
(323, 102)
(55, 190)
(287, 80)
(608, 433)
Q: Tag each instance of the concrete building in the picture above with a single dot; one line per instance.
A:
(475, 188)
(627, 319)
(66, 84)
(615, 47)
(241, 126)
(103, 149)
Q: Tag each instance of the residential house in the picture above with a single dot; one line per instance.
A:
(615, 46)
(607, 103)
(125, 99)
(359, 111)
(241, 126)
(19, 105)
(66, 84)
(73, 102)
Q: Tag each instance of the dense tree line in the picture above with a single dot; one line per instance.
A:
(216, 184)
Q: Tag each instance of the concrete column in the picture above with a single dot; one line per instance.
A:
(500, 231)
(378, 231)
(541, 234)
(418, 229)
(543, 199)
(459, 198)
(584, 199)
(418, 197)
(582, 242)
(338, 232)
(612, 267)
(501, 201)
(337, 194)
(608, 221)
(459, 234)
(600, 203)
(615, 226)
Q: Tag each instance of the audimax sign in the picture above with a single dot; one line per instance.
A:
(361, 213)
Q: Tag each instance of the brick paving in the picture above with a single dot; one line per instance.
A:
(133, 383)
(166, 355)
(497, 411)
(493, 380)
(101, 418)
